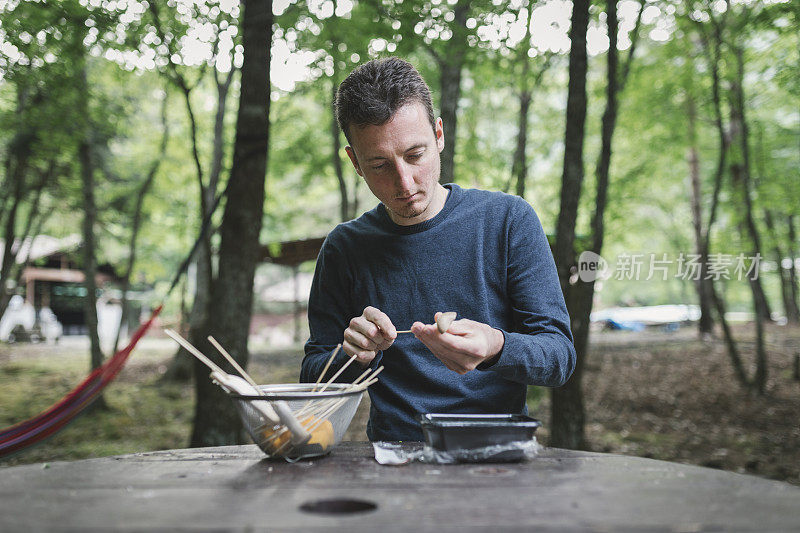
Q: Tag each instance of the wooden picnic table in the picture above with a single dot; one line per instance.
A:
(236, 488)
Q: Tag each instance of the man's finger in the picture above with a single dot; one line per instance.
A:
(457, 352)
(429, 334)
(362, 356)
(382, 321)
(357, 339)
(367, 328)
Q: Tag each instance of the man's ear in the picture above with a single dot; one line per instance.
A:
(439, 132)
(352, 155)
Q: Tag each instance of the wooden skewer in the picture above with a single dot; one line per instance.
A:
(314, 407)
(368, 384)
(194, 351)
(327, 365)
(232, 361)
(321, 416)
(443, 322)
(298, 433)
(317, 408)
(377, 371)
(314, 404)
(362, 376)
(337, 374)
(323, 410)
(266, 410)
(315, 412)
(372, 379)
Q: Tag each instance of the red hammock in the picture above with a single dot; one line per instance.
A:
(46, 423)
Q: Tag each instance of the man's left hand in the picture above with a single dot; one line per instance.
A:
(464, 345)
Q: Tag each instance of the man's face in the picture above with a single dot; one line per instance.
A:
(399, 160)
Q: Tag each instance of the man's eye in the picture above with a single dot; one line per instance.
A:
(414, 157)
(378, 167)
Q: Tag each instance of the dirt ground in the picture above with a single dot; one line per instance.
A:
(674, 397)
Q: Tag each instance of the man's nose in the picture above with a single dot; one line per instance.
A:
(404, 176)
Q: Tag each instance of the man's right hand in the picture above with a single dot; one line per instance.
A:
(368, 333)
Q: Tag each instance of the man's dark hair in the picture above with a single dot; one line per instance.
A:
(374, 91)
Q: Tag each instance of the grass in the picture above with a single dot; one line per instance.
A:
(142, 413)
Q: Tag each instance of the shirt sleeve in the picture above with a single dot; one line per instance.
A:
(539, 349)
(329, 313)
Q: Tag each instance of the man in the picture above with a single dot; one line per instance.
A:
(428, 248)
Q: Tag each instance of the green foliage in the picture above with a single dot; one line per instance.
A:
(137, 52)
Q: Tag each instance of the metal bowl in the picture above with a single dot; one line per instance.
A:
(326, 415)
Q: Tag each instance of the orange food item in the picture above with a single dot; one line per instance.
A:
(276, 439)
(322, 435)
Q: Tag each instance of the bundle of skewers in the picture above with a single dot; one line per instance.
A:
(291, 420)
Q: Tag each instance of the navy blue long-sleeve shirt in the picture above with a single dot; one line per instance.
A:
(484, 256)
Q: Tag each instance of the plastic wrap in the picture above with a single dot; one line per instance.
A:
(389, 453)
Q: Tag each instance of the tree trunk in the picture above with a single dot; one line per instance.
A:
(793, 257)
(13, 196)
(34, 219)
(567, 411)
(4, 187)
(354, 196)
(567, 402)
(344, 200)
(216, 421)
(730, 342)
(784, 274)
(86, 162)
(712, 49)
(180, 368)
(789, 307)
(223, 89)
(88, 251)
(137, 221)
(740, 173)
(760, 378)
(296, 304)
(182, 365)
(582, 304)
(9, 236)
(519, 167)
(13, 266)
(702, 285)
(450, 65)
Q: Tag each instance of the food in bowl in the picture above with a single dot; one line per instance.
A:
(324, 414)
